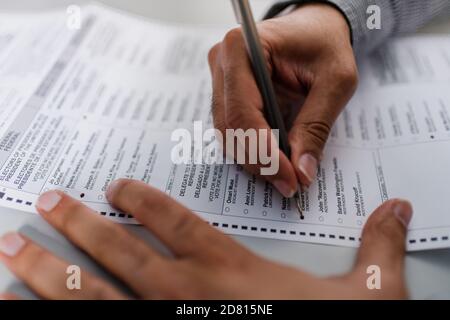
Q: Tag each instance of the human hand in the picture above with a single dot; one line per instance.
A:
(206, 264)
(311, 60)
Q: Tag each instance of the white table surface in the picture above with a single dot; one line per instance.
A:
(428, 273)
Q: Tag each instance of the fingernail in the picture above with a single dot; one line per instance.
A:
(11, 244)
(284, 188)
(113, 186)
(308, 166)
(48, 201)
(403, 212)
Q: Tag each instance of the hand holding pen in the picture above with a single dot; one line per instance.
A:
(263, 79)
(313, 76)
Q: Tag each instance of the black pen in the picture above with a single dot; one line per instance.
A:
(272, 112)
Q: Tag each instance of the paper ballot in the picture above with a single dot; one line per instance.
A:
(81, 107)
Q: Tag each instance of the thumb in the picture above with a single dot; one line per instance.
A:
(383, 248)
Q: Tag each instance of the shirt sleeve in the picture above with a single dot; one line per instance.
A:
(397, 16)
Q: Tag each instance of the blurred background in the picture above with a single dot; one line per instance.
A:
(214, 12)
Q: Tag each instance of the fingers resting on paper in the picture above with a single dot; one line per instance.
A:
(206, 264)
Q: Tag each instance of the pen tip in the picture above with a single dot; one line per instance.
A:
(299, 205)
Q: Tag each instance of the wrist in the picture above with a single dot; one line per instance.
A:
(289, 7)
(332, 16)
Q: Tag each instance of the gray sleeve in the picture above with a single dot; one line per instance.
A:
(397, 16)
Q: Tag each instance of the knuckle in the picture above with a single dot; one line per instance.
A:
(348, 76)
(232, 38)
(185, 225)
(316, 131)
(117, 188)
(143, 200)
(68, 215)
(213, 54)
(390, 230)
(385, 230)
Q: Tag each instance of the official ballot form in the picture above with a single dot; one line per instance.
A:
(80, 108)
